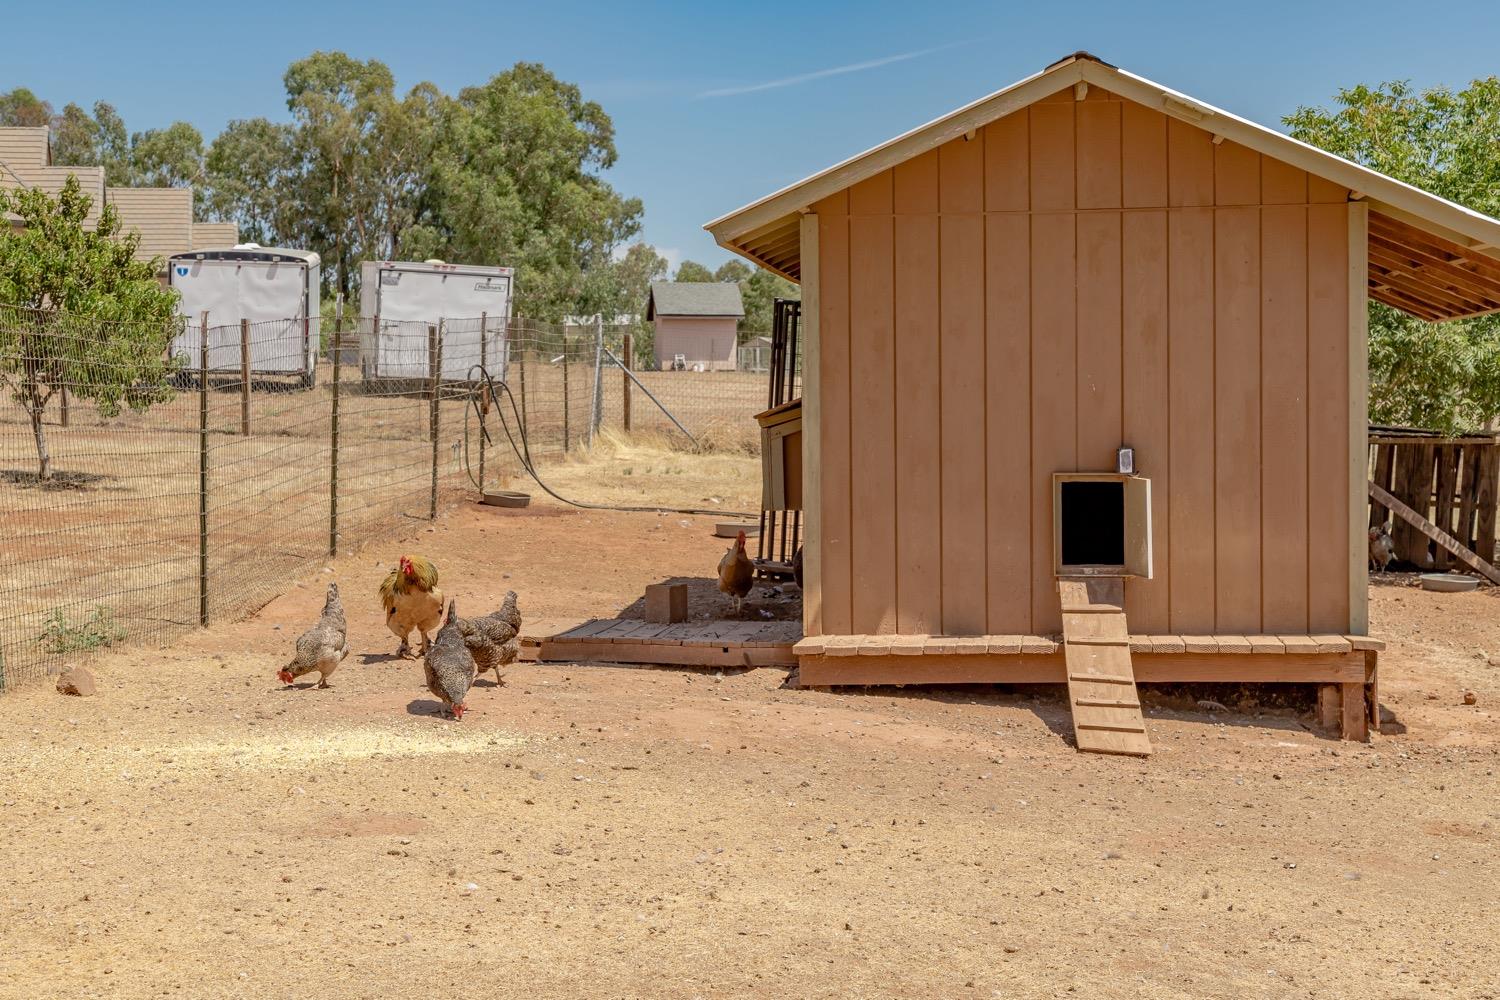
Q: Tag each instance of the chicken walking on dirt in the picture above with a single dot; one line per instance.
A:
(449, 666)
(322, 647)
(494, 640)
(737, 573)
(412, 600)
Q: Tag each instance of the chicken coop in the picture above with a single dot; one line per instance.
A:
(1091, 314)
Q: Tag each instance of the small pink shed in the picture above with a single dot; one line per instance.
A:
(696, 323)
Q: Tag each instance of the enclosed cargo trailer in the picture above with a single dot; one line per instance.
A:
(399, 300)
(276, 290)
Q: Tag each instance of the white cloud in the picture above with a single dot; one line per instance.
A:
(859, 67)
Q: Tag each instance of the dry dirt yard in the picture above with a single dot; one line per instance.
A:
(196, 830)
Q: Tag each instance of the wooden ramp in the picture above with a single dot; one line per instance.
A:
(1101, 680)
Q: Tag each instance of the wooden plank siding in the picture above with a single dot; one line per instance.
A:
(1021, 301)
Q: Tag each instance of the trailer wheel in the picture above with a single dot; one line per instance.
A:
(306, 381)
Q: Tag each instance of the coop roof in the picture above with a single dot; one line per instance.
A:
(1428, 256)
(694, 298)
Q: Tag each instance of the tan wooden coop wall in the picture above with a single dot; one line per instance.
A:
(1079, 275)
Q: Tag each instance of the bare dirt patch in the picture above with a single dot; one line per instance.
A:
(196, 830)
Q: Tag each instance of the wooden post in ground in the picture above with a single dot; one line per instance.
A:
(1447, 486)
(1384, 455)
(203, 471)
(484, 356)
(626, 360)
(1468, 494)
(521, 354)
(62, 415)
(435, 367)
(333, 430)
(245, 377)
(1484, 520)
(565, 393)
(1330, 703)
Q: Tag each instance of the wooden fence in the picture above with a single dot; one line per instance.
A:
(1451, 481)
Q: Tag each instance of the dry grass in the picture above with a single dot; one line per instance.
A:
(650, 468)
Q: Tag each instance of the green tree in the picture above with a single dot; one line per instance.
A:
(167, 157)
(251, 173)
(691, 270)
(92, 318)
(515, 180)
(733, 270)
(632, 275)
(75, 138)
(759, 293)
(20, 108)
(360, 155)
(1445, 376)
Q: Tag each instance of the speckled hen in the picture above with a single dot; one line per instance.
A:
(322, 647)
(449, 666)
(494, 640)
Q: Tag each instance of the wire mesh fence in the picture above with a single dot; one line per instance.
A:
(154, 479)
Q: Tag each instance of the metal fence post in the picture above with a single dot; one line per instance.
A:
(435, 367)
(626, 356)
(596, 403)
(203, 469)
(484, 367)
(245, 377)
(333, 430)
(565, 393)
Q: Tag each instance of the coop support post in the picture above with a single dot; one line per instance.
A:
(484, 366)
(333, 429)
(435, 367)
(596, 402)
(627, 356)
(244, 377)
(1359, 339)
(565, 393)
(203, 469)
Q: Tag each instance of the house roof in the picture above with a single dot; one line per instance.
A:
(163, 216)
(26, 162)
(694, 298)
(1430, 257)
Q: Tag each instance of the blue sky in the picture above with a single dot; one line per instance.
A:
(700, 128)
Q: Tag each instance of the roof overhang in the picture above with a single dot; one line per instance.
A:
(1429, 257)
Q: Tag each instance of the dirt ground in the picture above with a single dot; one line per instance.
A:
(197, 830)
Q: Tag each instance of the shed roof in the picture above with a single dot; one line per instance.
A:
(694, 298)
(1428, 256)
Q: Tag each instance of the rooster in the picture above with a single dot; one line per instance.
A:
(412, 600)
(494, 640)
(737, 573)
(449, 666)
(322, 647)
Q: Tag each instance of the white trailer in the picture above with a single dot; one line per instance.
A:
(399, 300)
(277, 290)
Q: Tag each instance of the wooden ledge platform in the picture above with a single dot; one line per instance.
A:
(1040, 645)
(685, 644)
(1344, 664)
